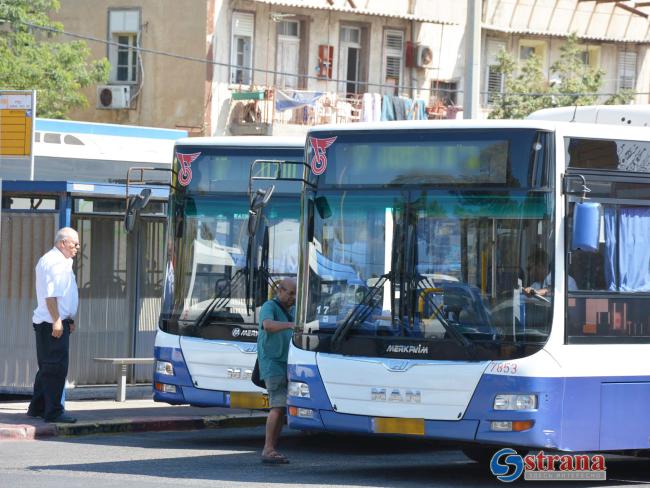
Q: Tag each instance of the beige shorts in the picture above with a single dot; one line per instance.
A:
(276, 386)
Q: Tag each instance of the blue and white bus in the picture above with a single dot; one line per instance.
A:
(469, 314)
(217, 275)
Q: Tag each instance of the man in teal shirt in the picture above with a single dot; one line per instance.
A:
(276, 324)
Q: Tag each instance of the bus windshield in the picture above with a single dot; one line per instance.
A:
(425, 271)
(208, 292)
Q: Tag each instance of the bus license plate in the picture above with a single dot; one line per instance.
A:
(388, 425)
(240, 399)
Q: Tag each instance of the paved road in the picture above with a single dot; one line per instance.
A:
(230, 458)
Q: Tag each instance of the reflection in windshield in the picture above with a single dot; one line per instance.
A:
(209, 254)
(454, 259)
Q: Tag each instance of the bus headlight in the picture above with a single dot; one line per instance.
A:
(515, 402)
(299, 390)
(164, 367)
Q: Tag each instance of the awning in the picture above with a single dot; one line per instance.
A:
(324, 5)
(582, 37)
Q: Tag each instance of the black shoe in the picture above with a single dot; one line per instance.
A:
(62, 419)
(34, 414)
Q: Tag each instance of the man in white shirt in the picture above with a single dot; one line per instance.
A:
(57, 299)
(540, 278)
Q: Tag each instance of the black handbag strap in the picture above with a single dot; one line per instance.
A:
(282, 307)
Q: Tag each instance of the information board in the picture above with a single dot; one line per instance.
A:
(16, 123)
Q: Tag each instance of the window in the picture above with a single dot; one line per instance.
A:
(289, 28)
(32, 204)
(288, 54)
(52, 138)
(610, 296)
(611, 292)
(626, 70)
(529, 48)
(72, 140)
(124, 31)
(444, 91)
(493, 77)
(349, 59)
(241, 55)
(393, 62)
(591, 56)
(613, 155)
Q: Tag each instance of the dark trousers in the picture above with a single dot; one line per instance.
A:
(52, 357)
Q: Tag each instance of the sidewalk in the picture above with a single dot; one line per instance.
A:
(109, 416)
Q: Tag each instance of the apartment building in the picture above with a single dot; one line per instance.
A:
(216, 67)
(615, 36)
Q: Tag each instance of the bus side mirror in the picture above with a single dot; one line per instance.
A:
(133, 205)
(586, 227)
(323, 207)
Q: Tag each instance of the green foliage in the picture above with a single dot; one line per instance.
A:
(528, 90)
(623, 97)
(32, 58)
(524, 92)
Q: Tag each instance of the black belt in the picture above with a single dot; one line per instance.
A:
(64, 322)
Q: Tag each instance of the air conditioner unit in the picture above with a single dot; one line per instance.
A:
(113, 96)
(423, 56)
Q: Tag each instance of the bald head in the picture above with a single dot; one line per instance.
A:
(65, 233)
(67, 241)
(287, 292)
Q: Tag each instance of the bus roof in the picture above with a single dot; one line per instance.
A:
(626, 115)
(436, 124)
(574, 129)
(243, 141)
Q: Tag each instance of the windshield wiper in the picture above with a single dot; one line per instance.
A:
(455, 334)
(220, 298)
(359, 313)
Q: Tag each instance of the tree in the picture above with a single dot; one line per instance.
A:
(528, 90)
(524, 92)
(32, 56)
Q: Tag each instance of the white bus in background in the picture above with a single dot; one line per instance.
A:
(217, 276)
(93, 152)
(629, 115)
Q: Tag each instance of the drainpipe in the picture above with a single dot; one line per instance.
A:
(411, 11)
(472, 59)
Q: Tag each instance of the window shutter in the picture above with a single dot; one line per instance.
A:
(241, 54)
(393, 53)
(626, 70)
(494, 78)
(243, 24)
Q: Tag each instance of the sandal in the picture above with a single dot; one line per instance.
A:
(274, 458)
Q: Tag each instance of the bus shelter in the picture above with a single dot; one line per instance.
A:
(119, 274)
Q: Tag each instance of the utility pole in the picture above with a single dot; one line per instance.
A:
(472, 59)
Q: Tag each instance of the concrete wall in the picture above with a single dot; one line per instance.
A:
(173, 91)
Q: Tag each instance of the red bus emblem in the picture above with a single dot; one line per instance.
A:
(319, 161)
(185, 171)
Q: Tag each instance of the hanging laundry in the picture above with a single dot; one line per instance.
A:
(387, 108)
(292, 99)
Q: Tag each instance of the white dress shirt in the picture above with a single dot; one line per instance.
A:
(573, 286)
(55, 278)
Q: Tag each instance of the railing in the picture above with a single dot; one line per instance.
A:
(251, 113)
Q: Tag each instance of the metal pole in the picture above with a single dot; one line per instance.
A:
(31, 156)
(472, 59)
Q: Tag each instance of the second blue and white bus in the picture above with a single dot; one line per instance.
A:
(217, 276)
(447, 227)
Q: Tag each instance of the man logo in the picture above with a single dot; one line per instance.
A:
(398, 365)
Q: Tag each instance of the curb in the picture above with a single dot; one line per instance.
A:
(134, 424)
